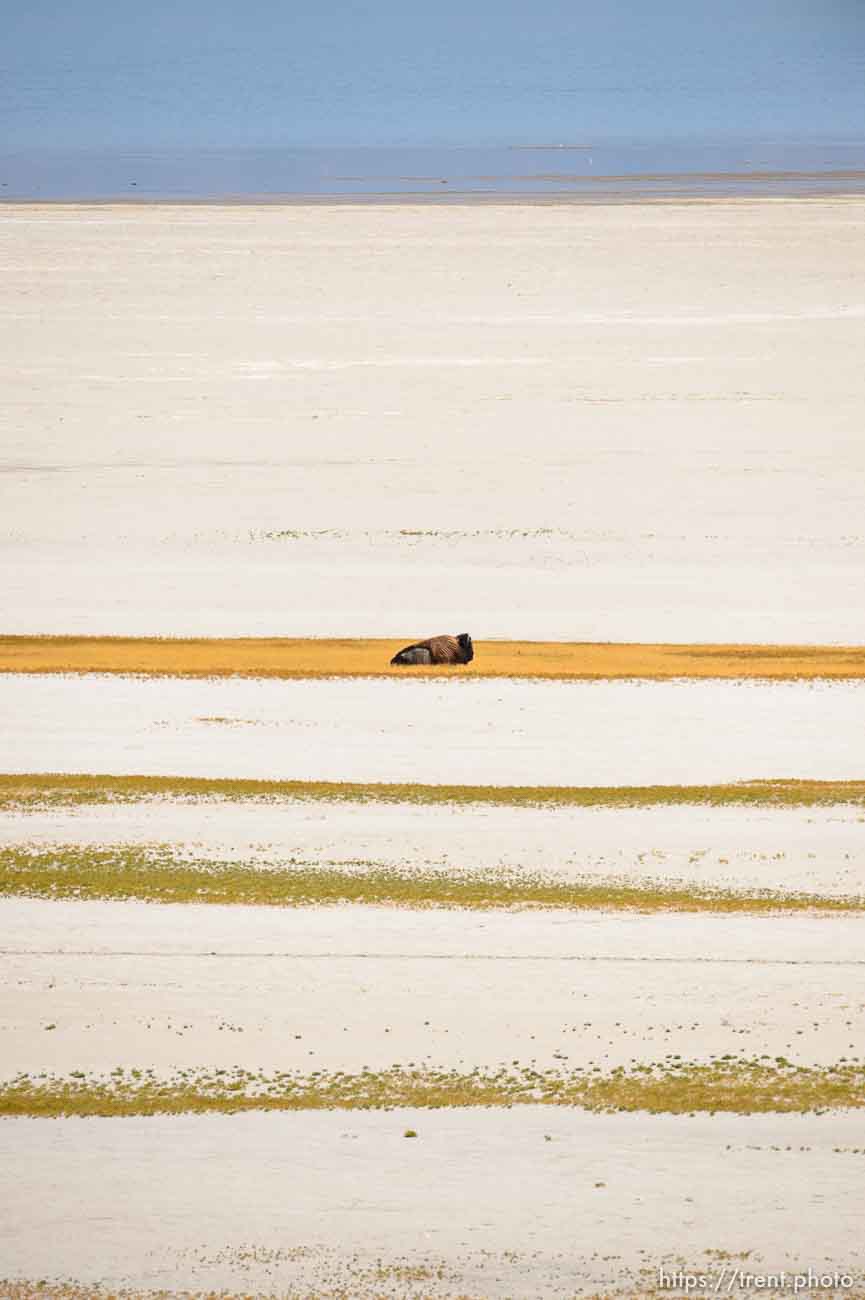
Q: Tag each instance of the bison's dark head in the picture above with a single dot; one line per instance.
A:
(465, 644)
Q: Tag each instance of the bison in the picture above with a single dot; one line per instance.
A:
(437, 650)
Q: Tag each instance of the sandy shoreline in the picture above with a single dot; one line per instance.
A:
(712, 187)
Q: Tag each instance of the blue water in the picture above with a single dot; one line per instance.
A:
(202, 98)
(655, 168)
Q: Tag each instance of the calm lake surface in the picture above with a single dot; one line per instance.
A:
(658, 168)
(203, 100)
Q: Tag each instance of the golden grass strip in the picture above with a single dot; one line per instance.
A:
(156, 874)
(60, 789)
(671, 1087)
(284, 657)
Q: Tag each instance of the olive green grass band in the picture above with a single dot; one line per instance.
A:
(723, 1084)
(74, 790)
(158, 874)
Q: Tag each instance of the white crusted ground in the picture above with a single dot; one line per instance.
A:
(524, 1203)
(799, 850)
(485, 732)
(639, 422)
(99, 985)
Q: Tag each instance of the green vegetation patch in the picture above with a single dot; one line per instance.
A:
(673, 1087)
(47, 789)
(154, 873)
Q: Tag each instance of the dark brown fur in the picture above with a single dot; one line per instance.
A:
(437, 650)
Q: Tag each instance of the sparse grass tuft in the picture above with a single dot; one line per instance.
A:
(347, 1280)
(350, 1282)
